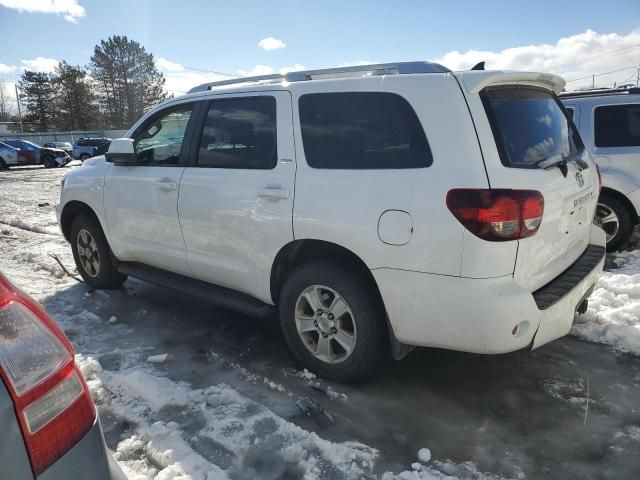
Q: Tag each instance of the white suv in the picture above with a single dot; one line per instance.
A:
(609, 123)
(378, 208)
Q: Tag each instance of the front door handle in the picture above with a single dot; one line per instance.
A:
(276, 192)
(166, 184)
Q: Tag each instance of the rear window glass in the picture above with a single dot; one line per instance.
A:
(617, 126)
(362, 130)
(529, 126)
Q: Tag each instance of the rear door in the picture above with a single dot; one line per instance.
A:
(522, 126)
(236, 196)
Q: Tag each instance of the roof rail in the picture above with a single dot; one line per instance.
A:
(398, 68)
(596, 92)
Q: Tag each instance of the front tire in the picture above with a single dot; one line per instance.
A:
(92, 254)
(49, 162)
(615, 219)
(333, 323)
(3, 165)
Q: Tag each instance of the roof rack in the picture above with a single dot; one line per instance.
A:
(596, 92)
(398, 68)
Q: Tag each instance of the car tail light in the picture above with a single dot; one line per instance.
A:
(497, 215)
(51, 398)
(599, 178)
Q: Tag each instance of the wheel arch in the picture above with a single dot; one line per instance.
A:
(70, 211)
(622, 199)
(301, 251)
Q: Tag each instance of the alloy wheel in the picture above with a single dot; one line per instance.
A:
(325, 324)
(607, 219)
(88, 253)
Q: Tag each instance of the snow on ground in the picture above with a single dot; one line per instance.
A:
(613, 316)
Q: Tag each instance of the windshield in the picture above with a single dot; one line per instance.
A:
(529, 126)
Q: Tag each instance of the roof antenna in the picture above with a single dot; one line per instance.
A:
(478, 66)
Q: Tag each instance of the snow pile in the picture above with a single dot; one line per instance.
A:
(211, 433)
(613, 316)
(439, 470)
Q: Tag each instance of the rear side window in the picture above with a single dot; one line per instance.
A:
(362, 130)
(239, 133)
(529, 126)
(617, 126)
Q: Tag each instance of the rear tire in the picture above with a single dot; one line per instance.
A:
(615, 219)
(307, 325)
(84, 156)
(92, 254)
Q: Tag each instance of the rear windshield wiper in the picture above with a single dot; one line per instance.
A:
(561, 163)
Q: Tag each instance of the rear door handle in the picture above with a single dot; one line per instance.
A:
(166, 184)
(275, 192)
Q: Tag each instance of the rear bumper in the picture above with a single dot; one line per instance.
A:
(478, 315)
(89, 458)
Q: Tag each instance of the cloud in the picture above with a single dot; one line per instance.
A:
(293, 68)
(573, 57)
(71, 10)
(7, 68)
(269, 43)
(40, 64)
(257, 70)
(168, 65)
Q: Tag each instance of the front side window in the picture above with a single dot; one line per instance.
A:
(239, 133)
(362, 130)
(529, 126)
(160, 141)
(617, 126)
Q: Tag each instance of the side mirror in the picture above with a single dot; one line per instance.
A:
(121, 151)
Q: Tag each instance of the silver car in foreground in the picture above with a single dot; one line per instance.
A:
(50, 430)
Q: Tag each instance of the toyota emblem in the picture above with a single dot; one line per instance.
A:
(579, 179)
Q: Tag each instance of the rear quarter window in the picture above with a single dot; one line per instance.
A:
(529, 125)
(617, 125)
(362, 130)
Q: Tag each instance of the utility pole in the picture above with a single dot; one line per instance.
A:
(593, 81)
(638, 77)
(19, 110)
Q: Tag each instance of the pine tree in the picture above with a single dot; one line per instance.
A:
(37, 95)
(76, 106)
(127, 80)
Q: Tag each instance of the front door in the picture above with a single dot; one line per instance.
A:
(141, 200)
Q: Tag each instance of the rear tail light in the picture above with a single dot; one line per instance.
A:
(52, 401)
(497, 215)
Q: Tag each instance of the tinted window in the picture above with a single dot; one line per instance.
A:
(529, 126)
(81, 143)
(362, 130)
(617, 126)
(160, 141)
(239, 133)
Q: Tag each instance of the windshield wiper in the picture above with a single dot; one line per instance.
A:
(561, 163)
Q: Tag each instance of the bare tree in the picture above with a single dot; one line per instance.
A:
(5, 103)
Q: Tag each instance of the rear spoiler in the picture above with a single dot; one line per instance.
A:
(474, 81)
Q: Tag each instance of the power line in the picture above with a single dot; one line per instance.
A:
(603, 73)
(588, 59)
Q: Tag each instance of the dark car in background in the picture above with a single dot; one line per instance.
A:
(30, 153)
(50, 429)
(66, 146)
(85, 148)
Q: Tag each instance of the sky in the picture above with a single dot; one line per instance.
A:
(193, 39)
